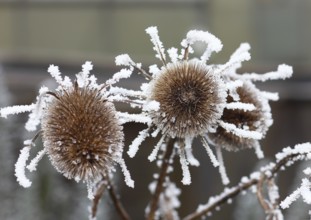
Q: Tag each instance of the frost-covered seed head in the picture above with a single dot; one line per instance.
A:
(81, 133)
(190, 96)
(256, 120)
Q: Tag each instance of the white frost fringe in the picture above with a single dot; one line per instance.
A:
(20, 167)
(284, 71)
(212, 42)
(133, 148)
(186, 180)
(156, 149)
(12, 110)
(126, 173)
(34, 162)
(241, 132)
(191, 159)
(222, 168)
(158, 45)
(210, 153)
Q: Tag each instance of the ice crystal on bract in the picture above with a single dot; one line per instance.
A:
(255, 123)
(80, 127)
(243, 128)
(198, 99)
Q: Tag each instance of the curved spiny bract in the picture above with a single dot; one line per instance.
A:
(258, 120)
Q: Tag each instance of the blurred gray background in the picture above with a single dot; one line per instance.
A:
(36, 33)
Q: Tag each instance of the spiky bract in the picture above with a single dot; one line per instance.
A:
(256, 120)
(191, 98)
(81, 133)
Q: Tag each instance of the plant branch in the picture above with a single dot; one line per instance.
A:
(116, 201)
(142, 71)
(102, 185)
(159, 187)
(259, 193)
(272, 169)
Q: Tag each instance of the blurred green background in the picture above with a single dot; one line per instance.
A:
(36, 33)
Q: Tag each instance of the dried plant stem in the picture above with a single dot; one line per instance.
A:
(102, 185)
(159, 187)
(143, 72)
(221, 200)
(259, 194)
(234, 191)
(116, 201)
(186, 54)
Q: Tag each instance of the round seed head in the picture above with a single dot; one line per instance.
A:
(81, 133)
(257, 120)
(191, 99)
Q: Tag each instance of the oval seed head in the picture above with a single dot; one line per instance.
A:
(257, 120)
(82, 134)
(191, 99)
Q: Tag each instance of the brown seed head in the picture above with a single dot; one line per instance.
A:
(81, 133)
(256, 120)
(190, 98)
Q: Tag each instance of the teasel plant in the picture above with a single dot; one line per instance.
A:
(189, 98)
(81, 131)
(185, 97)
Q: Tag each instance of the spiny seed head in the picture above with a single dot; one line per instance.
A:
(191, 98)
(257, 120)
(81, 133)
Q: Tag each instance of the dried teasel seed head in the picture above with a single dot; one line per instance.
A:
(82, 134)
(256, 120)
(191, 98)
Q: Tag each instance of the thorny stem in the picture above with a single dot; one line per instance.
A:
(159, 187)
(143, 72)
(116, 201)
(224, 197)
(97, 196)
(35, 138)
(186, 54)
(259, 194)
(161, 55)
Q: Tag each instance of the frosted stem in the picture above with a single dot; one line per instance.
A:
(11, 110)
(133, 148)
(20, 167)
(191, 159)
(284, 71)
(156, 149)
(222, 168)
(116, 201)
(210, 153)
(241, 132)
(158, 46)
(89, 186)
(258, 150)
(184, 166)
(99, 191)
(34, 162)
(126, 173)
(159, 187)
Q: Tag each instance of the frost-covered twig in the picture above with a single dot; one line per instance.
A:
(102, 185)
(125, 60)
(159, 187)
(283, 159)
(116, 201)
(99, 191)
